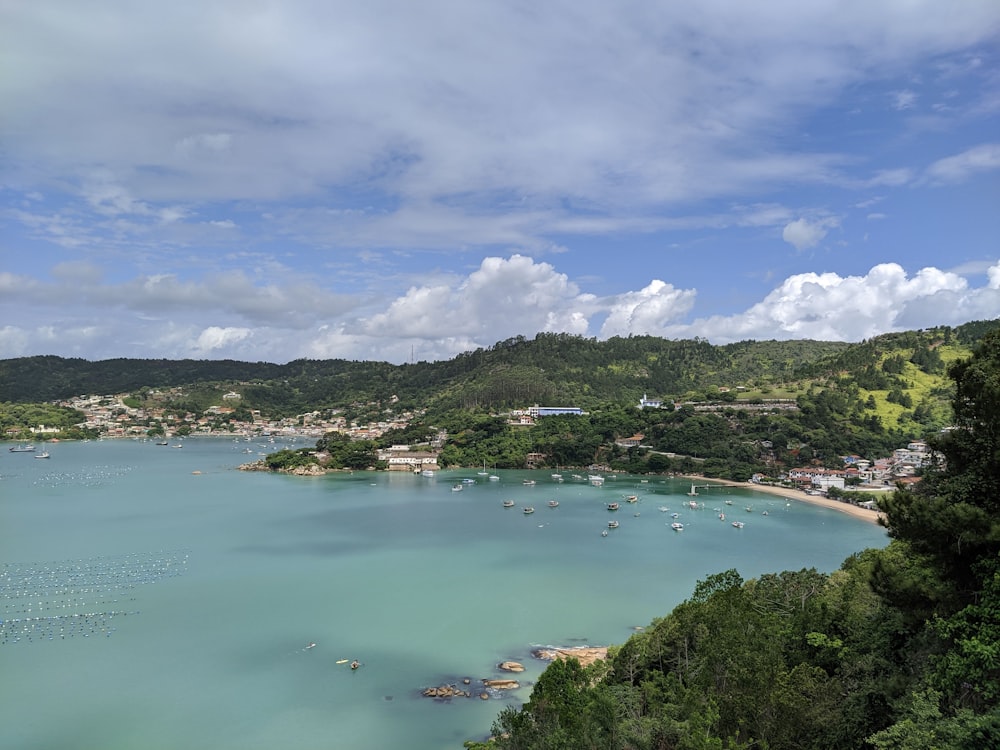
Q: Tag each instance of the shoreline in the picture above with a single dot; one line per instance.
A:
(872, 516)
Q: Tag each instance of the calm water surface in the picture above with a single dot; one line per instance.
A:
(172, 598)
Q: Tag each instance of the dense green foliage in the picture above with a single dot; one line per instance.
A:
(745, 408)
(17, 418)
(897, 650)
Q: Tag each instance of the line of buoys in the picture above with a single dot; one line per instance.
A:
(87, 585)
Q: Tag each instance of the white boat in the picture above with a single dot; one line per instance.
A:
(613, 506)
(508, 503)
(483, 472)
(631, 498)
(529, 510)
(553, 503)
(612, 524)
(457, 487)
(595, 479)
(494, 478)
(427, 473)
(677, 526)
(604, 533)
(557, 477)
(43, 454)
(738, 524)
(528, 482)
(22, 449)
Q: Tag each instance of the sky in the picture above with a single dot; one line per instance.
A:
(405, 181)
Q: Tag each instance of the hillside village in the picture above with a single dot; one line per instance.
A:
(109, 416)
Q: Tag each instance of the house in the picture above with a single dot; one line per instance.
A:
(649, 403)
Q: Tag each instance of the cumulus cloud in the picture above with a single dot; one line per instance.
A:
(828, 306)
(647, 311)
(502, 297)
(803, 234)
(214, 338)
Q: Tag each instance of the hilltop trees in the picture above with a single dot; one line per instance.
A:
(897, 650)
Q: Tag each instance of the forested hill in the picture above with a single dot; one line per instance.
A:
(556, 369)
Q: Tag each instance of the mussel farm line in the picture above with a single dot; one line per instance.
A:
(67, 598)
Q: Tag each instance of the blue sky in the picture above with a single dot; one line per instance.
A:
(394, 180)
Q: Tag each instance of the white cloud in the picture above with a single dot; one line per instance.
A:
(803, 234)
(501, 298)
(647, 311)
(958, 168)
(851, 308)
(903, 99)
(214, 338)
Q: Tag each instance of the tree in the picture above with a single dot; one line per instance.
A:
(953, 517)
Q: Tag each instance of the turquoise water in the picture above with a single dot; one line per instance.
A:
(196, 594)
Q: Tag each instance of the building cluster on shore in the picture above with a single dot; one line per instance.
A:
(110, 416)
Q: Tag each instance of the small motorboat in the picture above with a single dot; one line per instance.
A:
(613, 506)
(612, 524)
(529, 510)
(737, 524)
(43, 454)
(553, 503)
(677, 526)
(508, 503)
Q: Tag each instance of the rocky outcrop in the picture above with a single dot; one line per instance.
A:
(502, 684)
(586, 655)
(445, 691)
(510, 666)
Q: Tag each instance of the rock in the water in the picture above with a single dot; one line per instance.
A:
(445, 691)
(502, 684)
(511, 666)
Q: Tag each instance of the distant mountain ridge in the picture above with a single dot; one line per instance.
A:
(548, 369)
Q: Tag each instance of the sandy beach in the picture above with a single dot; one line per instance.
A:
(791, 494)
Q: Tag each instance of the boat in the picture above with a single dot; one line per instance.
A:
(508, 503)
(613, 506)
(675, 515)
(529, 510)
(528, 482)
(457, 487)
(467, 480)
(427, 473)
(612, 524)
(693, 505)
(604, 533)
(595, 479)
(22, 449)
(729, 502)
(631, 498)
(557, 477)
(553, 503)
(677, 526)
(494, 478)
(722, 516)
(738, 524)
(483, 473)
(43, 454)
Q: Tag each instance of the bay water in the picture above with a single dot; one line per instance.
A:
(157, 597)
